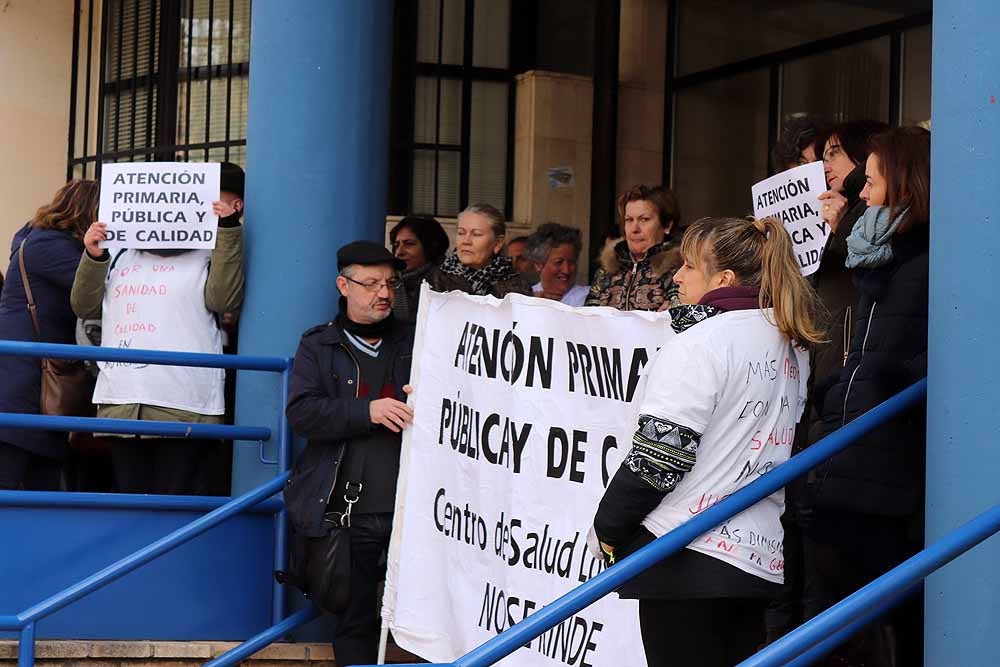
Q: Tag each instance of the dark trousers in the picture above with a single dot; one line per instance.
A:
(171, 466)
(844, 551)
(89, 466)
(355, 640)
(705, 632)
(785, 613)
(23, 470)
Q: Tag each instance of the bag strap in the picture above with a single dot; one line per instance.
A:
(354, 486)
(27, 291)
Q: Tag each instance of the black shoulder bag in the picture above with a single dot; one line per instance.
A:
(320, 567)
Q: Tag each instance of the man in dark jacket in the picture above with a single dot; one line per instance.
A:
(347, 397)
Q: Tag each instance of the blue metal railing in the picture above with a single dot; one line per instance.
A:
(879, 594)
(132, 427)
(255, 500)
(612, 578)
(243, 651)
(798, 648)
(16, 348)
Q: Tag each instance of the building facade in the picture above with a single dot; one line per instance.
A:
(550, 108)
(543, 108)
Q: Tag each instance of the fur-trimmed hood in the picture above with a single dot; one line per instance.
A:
(663, 258)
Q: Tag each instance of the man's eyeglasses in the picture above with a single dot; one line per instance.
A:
(392, 284)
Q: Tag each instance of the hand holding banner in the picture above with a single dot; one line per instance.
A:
(793, 197)
(159, 204)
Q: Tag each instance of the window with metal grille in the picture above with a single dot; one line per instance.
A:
(158, 80)
(453, 106)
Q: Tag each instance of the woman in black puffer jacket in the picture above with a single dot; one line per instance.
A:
(868, 500)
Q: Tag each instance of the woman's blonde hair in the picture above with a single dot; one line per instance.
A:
(759, 253)
(73, 209)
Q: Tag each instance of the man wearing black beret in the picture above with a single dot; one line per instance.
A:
(347, 398)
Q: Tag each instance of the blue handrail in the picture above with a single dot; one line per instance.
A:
(26, 620)
(510, 640)
(254, 500)
(167, 543)
(822, 648)
(243, 651)
(16, 348)
(126, 501)
(133, 427)
(893, 583)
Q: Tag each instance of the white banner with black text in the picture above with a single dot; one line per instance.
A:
(523, 410)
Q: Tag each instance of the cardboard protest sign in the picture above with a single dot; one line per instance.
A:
(523, 411)
(159, 204)
(793, 197)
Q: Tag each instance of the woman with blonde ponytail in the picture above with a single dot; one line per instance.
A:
(720, 409)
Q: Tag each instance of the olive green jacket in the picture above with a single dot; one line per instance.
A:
(223, 294)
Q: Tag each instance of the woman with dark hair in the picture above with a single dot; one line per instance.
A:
(477, 266)
(844, 149)
(867, 502)
(743, 301)
(50, 247)
(421, 243)
(796, 144)
(636, 273)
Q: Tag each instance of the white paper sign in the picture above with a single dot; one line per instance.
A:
(516, 433)
(793, 197)
(159, 204)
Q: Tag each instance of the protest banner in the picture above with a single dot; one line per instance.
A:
(159, 204)
(793, 197)
(523, 410)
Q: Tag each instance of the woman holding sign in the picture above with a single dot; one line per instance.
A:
(720, 408)
(845, 150)
(50, 247)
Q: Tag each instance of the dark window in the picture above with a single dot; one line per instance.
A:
(158, 80)
(453, 102)
(735, 71)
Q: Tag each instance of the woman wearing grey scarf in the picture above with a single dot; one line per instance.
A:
(867, 501)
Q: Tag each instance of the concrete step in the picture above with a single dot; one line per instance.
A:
(76, 653)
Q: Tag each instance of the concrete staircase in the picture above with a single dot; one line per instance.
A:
(50, 653)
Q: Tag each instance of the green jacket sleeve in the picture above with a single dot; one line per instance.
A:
(224, 287)
(88, 287)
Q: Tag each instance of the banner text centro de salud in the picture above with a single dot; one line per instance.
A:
(523, 411)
